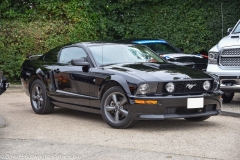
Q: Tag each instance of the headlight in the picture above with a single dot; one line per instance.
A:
(206, 85)
(170, 87)
(143, 89)
(212, 57)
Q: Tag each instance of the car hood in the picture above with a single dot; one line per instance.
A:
(230, 40)
(181, 58)
(156, 71)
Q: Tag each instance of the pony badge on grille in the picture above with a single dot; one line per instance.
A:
(190, 86)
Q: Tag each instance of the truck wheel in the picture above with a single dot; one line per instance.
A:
(39, 100)
(227, 97)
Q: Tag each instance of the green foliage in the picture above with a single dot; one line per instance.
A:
(40, 26)
(34, 26)
(192, 25)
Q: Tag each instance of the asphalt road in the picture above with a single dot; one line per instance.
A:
(68, 134)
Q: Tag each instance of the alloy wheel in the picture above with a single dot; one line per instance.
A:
(37, 97)
(115, 107)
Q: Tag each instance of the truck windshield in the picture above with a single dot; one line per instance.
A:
(237, 29)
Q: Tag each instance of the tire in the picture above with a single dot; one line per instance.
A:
(39, 100)
(227, 97)
(115, 109)
(198, 118)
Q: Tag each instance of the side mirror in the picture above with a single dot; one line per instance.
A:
(79, 62)
(229, 30)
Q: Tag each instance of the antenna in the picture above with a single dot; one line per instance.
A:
(102, 56)
(222, 18)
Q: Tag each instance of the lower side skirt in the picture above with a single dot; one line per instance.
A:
(78, 108)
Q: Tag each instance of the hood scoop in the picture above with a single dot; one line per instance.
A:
(234, 36)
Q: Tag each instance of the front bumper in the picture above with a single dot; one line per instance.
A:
(174, 107)
(229, 78)
(215, 69)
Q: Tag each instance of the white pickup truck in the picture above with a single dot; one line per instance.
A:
(224, 61)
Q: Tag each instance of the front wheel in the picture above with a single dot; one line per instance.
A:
(227, 97)
(39, 100)
(198, 118)
(115, 108)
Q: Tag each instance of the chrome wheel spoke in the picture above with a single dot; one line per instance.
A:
(38, 104)
(116, 118)
(34, 98)
(123, 101)
(124, 112)
(114, 97)
(110, 108)
(41, 100)
(37, 90)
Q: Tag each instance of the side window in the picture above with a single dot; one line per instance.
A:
(52, 55)
(67, 54)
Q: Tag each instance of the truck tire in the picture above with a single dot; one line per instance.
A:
(227, 97)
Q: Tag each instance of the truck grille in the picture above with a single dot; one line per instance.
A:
(230, 58)
(230, 62)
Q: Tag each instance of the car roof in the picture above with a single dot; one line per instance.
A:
(142, 40)
(96, 43)
(122, 41)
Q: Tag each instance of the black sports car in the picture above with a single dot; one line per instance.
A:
(3, 83)
(123, 82)
(170, 53)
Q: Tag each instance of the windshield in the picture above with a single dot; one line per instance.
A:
(120, 53)
(237, 29)
(162, 48)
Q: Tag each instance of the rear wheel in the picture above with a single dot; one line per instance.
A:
(227, 97)
(39, 100)
(115, 108)
(198, 118)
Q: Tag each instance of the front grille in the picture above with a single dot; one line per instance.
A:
(235, 51)
(183, 87)
(229, 62)
(230, 57)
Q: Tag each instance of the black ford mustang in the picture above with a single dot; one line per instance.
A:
(123, 82)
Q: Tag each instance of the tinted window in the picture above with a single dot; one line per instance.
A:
(67, 54)
(52, 55)
(162, 48)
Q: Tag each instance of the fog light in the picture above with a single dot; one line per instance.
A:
(145, 101)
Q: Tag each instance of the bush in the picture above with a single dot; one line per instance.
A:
(34, 27)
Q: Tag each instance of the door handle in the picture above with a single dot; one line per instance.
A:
(56, 70)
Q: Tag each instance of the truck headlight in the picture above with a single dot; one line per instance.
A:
(143, 89)
(212, 57)
(206, 85)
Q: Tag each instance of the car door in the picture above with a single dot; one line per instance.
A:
(71, 82)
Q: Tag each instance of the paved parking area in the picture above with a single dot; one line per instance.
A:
(68, 134)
